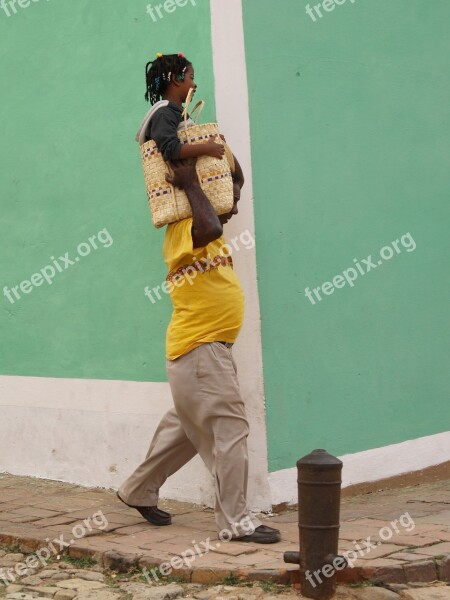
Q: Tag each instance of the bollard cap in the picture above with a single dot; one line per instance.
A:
(320, 459)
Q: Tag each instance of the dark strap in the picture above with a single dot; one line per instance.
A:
(227, 344)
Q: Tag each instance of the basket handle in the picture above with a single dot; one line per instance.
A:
(199, 106)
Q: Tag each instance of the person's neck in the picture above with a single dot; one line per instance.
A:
(173, 97)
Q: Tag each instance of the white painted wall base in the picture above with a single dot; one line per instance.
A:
(372, 465)
(95, 433)
(88, 432)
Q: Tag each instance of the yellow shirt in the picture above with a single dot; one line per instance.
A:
(208, 303)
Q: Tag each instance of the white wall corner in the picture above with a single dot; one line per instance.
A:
(232, 109)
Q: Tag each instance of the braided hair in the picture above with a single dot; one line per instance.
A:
(158, 74)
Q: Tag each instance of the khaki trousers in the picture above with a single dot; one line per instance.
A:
(209, 419)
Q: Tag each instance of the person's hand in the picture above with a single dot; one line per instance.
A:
(184, 173)
(213, 149)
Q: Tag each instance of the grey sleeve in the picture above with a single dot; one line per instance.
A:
(163, 129)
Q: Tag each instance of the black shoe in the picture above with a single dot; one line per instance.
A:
(261, 535)
(152, 514)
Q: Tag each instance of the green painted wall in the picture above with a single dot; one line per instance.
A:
(72, 99)
(350, 126)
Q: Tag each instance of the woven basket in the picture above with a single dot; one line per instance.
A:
(169, 204)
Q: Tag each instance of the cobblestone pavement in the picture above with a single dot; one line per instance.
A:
(395, 537)
(83, 579)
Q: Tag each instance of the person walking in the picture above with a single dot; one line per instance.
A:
(209, 416)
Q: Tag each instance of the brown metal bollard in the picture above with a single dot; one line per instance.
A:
(319, 495)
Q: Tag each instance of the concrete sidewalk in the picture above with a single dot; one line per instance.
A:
(408, 531)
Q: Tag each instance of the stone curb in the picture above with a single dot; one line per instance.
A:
(434, 569)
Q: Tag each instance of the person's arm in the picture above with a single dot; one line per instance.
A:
(206, 226)
(238, 174)
(207, 149)
(163, 129)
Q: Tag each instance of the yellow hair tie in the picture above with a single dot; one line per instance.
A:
(158, 55)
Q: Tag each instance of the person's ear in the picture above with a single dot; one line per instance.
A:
(177, 80)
